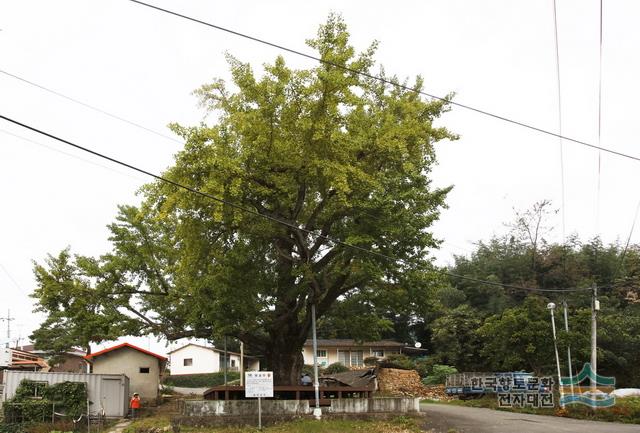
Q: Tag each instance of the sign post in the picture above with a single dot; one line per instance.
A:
(258, 384)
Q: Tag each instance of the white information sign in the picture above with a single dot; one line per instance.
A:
(258, 384)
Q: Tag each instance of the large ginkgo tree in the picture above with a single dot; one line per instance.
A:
(300, 159)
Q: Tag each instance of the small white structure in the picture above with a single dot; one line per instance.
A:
(141, 366)
(106, 392)
(195, 359)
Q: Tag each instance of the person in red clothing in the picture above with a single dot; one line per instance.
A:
(134, 404)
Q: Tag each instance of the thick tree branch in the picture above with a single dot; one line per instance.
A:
(311, 222)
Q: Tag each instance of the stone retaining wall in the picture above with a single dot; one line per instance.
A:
(207, 408)
(244, 407)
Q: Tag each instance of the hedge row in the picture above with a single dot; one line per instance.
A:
(35, 401)
(204, 380)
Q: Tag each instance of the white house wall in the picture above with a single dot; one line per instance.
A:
(203, 360)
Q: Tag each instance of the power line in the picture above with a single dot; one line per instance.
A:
(626, 247)
(386, 81)
(53, 149)
(15, 283)
(91, 107)
(562, 187)
(269, 217)
(599, 126)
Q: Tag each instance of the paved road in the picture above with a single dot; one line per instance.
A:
(441, 417)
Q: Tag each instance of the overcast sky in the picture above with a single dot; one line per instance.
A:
(142, 65)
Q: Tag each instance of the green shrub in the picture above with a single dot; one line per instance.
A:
(424, 366)
(70, 397)
(35, 401)
(204, 380)
(13, 427)
(308, 369)
(27, 410)
(336, 367)
(439, 374)
(371, 361)
(402, 362)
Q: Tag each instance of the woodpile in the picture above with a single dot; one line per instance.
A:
(407, 383)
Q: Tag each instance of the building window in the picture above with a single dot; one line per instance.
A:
(322, 353)
(343, 357)
(354, 358)
(233, 362)
(379, 353)
(357, 359)
(187, 362)
(144, 369)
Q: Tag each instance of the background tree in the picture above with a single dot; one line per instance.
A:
(324, 150)
(76, 317)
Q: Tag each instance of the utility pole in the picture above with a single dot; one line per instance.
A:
(551, 306)
(8, 319)
(225, 361)
(317, 412)
(595, 307)
(241, 363)
(566, 328)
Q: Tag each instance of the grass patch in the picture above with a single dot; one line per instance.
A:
(157, 422)
(396, 425)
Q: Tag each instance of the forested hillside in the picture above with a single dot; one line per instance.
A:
(482, 327)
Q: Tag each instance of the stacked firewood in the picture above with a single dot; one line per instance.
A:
(407, 383)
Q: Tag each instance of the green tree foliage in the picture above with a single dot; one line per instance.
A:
(439, 374)
(480, 327)
(322, 149)
(78, 311)
(454, 334)
(518, 338)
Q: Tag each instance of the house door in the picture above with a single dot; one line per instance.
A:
(111, 397)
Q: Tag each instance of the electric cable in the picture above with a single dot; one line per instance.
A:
(387, 81)
(269, 217)
(91, 107)
(626, 247)
(562, 186)
(53, 149)
(599, 127)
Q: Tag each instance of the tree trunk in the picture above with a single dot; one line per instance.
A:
(284, 358)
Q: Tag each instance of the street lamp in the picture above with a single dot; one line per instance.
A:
(551, 307)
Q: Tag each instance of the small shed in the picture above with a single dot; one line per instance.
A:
(106, 392)
(142, 367)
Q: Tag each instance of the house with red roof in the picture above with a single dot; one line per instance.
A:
(142, 367)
